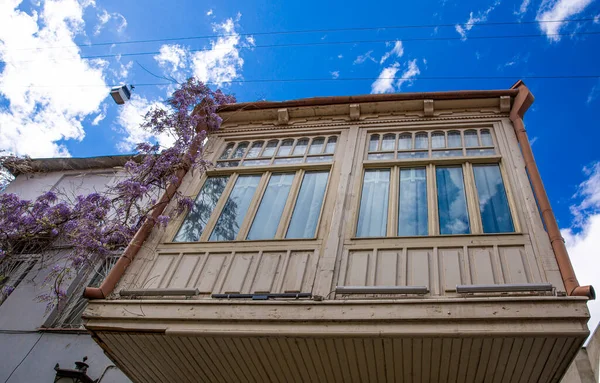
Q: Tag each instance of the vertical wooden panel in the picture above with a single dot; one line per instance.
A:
(265, 273)
(238, 272)
(184, 270)
(450, 265)
(513, 265)
(358, 266)
(387, 268)
(210, 273)
(481, 265)
(418, 267)
(159, 270)
(296, 269)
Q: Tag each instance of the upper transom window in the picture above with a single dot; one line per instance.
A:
(276, 152)
(435, 144)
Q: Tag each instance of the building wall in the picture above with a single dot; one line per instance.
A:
(586, 366)
(25, 352)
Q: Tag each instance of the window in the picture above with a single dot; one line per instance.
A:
(276, 152)
(263, 204)
(435, 194)
(12, 273)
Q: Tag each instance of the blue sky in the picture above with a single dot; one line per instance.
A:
(45, 111)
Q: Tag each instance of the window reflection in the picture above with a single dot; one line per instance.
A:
(285, 148)
(235, 209)
(308, 205)
(421, 141)
(471, 138)
(438, 140)
(374, 143)
(486, 138)
(195, 221)
(412, 205)
(255, 149)
(389, 142)
(270, 149)
(405, 141)
(331, 141)
(454, 140)
(240, 150)
(493, 203)
(372, 218)
(452, 204)
(227, 151)
(271, 207)
(316, 145)
(301, 146)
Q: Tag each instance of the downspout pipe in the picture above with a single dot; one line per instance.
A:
(521, 103)
(113, 277)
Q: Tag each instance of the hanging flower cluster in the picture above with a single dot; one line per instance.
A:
(93, 226)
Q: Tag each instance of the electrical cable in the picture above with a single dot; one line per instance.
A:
(25, 357)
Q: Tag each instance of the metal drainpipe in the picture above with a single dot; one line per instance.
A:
(522, 102)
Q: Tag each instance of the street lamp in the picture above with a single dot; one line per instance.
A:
(78, 375)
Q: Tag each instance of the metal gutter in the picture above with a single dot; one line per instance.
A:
(522, 102)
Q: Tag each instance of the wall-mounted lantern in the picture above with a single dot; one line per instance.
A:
(78, 375)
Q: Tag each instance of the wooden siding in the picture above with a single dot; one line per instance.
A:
(152, 357)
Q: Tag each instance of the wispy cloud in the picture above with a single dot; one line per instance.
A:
(523, 8)
(594, 93)
(335, 74)
(362, 58)
(533, 140)
(553, 10)
(409, 74)
(480, 17)
(209, 13)
(397, 50)
(387, 81)
(104, 17)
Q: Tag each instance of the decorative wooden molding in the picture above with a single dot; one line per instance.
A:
(505, 104)
(428, 108)
(283, 117)
(354, 112)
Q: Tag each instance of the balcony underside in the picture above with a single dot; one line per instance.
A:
(478, 340)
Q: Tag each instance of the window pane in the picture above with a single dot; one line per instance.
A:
(412, 206)
(405, 155)
(235, 209)
(205, 203)
(389, 142)
(319, 159)
(271, 207)
(372, 219)
(308, 205)
(293, 160)
(256, 162)
(317, 145)
(438, 140)
(270, 149)
(493, 204)
(405, 141)
(421, 141)
(301, 146)
(454, 139)
(330, 148)
(486, 138)
(227, 164)
(447, 153)
(380, 156)
(452, 204)
(374, 143)
(285, 148)
(480, 152)
(227, 151)
(471, 138)
(240, 150)
(255, 149)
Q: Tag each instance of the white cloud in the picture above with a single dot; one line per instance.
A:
(523, 8)
(340, 56)
(481, 17)
(172, 58)
(335, 74)
(533, 140)
(101, 116)
(583, 239)
(385, 81)
(131, 116)
(551, 10)
(362, 58)
(104, 17)
(409, 74)
(397, 50)
(210, 12)
(594, 92)
(42, 109)
(597, 19)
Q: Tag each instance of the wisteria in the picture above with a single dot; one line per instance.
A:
(89, 228)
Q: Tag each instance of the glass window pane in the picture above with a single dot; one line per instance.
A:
(380, 156)
(235, 209)
(308, 205)
(198, 216)
(405, 141)
(240, 150)
(493, 204)
(452, 204)
(374, 143)
(412, 206)
(256, 162)
(421, 141)
(412, 155)
(271, 207)
(438, 140)
(480, 152)
(255, 149)
(227, 164)
(471, 138)
(447, 153)
(293, 160)
(325, 158)
(227, 151)
(389, 142)
(285, 148)
(301, 146)
(486, 138)
(316, 145)
(330, 148)
(372, 218)
(454, 139)
(270, 149)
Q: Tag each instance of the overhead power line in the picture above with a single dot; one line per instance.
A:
(527, 77)
(324, 43)
(321, 30)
